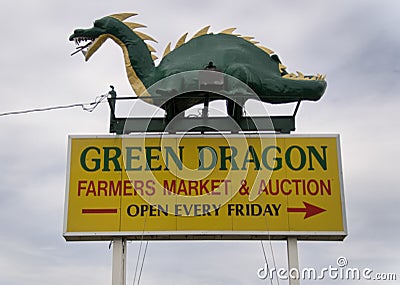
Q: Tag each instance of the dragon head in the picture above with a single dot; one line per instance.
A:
(89, 40)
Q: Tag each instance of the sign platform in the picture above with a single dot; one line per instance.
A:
(231, 187)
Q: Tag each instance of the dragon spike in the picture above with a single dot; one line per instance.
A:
(151, 49)
(181, 40)
(145, 37)
(290, 76)
(154, 57)
(167, 50)
(300, 75)
(228, 31)
(248, 38)
(202, 32)
(135, 25)
(123, 16)
(265, 49)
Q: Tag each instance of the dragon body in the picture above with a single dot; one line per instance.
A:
(229, 54)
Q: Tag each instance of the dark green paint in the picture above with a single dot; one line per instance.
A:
(232, 55)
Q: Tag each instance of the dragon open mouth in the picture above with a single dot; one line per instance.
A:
(301, 76)
(83, 44)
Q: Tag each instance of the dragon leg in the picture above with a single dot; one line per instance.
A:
(234, 110)
(237, 86)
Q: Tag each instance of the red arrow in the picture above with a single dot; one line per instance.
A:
(309, 209)
(99, 211)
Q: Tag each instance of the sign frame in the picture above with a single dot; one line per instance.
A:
(206, 235)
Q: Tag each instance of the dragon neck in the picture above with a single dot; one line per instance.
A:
(139, 64)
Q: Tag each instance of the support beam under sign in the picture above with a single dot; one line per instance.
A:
(281, 124)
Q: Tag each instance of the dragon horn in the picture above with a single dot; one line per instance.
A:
(123, 16)
(135, 25)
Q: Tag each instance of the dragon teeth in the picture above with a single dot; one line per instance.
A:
(301, 76)
(78, 40)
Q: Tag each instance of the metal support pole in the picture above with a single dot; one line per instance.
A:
(206, 106)
(119, 262)
(293, 259)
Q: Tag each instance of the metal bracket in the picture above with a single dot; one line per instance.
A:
(278, 124)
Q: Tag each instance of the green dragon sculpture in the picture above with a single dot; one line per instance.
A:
(234, 55)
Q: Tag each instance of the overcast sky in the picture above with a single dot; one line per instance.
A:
(355, 43)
